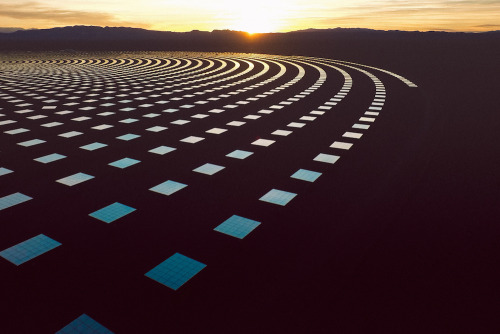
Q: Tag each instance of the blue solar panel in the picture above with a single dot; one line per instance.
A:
(128, 137)
(29, 249)
(278, 197)
(75, 179)
(162, 150)
(112, 212)
(239, 154)
(31, 142)
(124, 163)
(84, 325)
(168, 187)
(11, 200)
(50, 158)
(306, 175)
(208, 169)
(93, 146)
(238, 227)
(175, 271)
(16, 131)
(4, 171)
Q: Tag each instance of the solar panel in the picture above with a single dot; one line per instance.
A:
(168, 188)
(216, 131)
(128, 137)
(239, 154)
(354, 135)
(112, 212)
(306, 175)
(93, 146)
(252, 117)
(32, 142)
(180, 122)
(361, 126)
(175, 271)
(192, 139)
(263, 142)
(16, 131)
(75, 179)
(29, 249)
(50, 158)
(236, 226)
(52, 124)
(281, 133)
(341, 145)
(102, 127)
(4, 171)
(81, 119)
(235, 123)
(70, 134)
(13, 199)
(308, 118)
(84, 325)
(296, 125)
(124, 163)
(129, 120)
(200, 116)
(162, 150)
(327, 158)
(208, 169)
(157, 128)
(216, 111)
(278, 197)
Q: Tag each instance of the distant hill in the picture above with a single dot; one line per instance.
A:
(312, 41)
(9, 29)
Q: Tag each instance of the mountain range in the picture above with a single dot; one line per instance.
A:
(123, 38)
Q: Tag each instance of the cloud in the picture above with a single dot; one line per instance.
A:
(34, 11)
(448, 15)
(488, 26)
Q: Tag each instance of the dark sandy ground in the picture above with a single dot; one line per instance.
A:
(399, 236)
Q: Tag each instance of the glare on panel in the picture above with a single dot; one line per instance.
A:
(239, 154)
(161, 150)
(278, 197)
(327, 158)
(75, 179)
(168, 188)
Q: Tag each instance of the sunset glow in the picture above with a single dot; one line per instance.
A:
(255, 16)
(260, 16)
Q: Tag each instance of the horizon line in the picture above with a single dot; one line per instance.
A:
(15, 29)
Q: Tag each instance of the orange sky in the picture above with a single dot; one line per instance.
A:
(256, 15)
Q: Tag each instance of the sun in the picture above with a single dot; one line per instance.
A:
(258, 16)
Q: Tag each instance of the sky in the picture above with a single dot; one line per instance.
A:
(255, 15)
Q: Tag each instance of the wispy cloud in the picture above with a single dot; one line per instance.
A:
(36, 12)
(448, 15)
